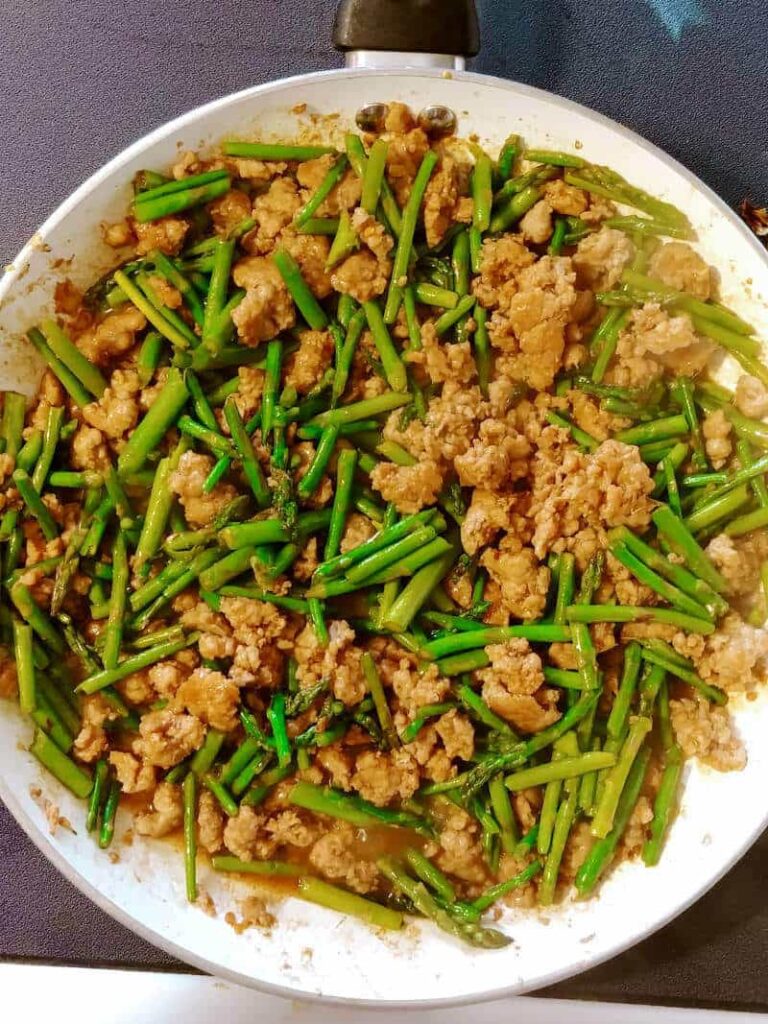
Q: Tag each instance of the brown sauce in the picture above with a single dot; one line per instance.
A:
(369, 844)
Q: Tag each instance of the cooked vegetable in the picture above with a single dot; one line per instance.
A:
(328, 576)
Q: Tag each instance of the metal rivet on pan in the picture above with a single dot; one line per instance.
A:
(371, 117)
(437, 120)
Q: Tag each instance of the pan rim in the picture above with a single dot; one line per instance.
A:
(183, 120)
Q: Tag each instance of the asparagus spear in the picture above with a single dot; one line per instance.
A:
(98, 794)
(53, 426)
(666, 795)
(419, 895)
(177, 196)
(394, 370)
(432, 876)
(100, 680)
(566, 746)
(657, 652)
(223, 862)
(317, 891)
(600, 856)
(324, 800)
(74, 360)
(273, 151)
(679, 576)
(497, 892)
(189, 791)
(677, 598)
(566, 815)
(407, 231)
(616, 779)
(627, 613)
(25, 667)
(214, 785)
(326, 186)
(242, 442)
(35, 505)
(681, 540)
(535, 632)
(108, 814)
(113, 633)
(60, 766)
(507, 156)
(563, 768)
(307, 304)
(156, 422)
(473, 780)
(72, 384)
(14, 410)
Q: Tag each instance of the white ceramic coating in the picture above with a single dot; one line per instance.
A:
(312, 952)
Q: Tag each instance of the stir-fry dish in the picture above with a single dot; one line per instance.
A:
(378, 528)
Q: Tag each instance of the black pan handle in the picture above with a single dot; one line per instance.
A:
(413, 26)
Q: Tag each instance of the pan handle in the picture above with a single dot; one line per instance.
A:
(433, 28)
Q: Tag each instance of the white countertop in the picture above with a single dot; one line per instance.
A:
(80, 995)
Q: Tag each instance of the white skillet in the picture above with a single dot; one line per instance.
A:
(314, 953)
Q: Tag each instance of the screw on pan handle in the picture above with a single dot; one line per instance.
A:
(412, 26)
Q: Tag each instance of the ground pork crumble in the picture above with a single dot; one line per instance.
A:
(318, 704)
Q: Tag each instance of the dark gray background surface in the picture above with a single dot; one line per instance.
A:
(79, 81)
